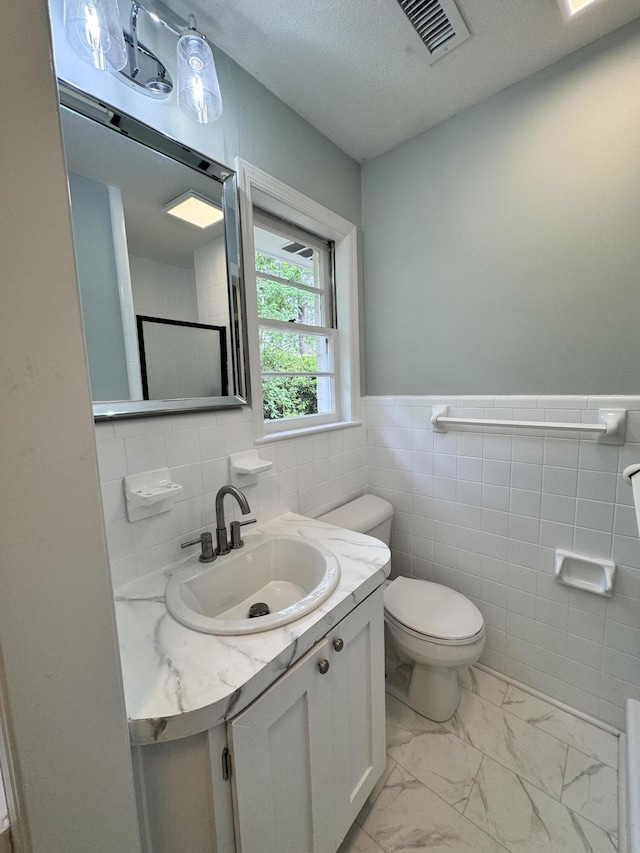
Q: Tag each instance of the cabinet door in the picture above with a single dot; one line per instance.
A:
(309, 751)
(357, 695)
(281, 750)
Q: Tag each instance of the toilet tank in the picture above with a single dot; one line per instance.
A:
(368, 514)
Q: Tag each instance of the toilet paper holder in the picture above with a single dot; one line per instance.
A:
(630, 470)
(629, 474)
(590, 574)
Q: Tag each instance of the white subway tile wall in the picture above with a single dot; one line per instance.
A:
(482, 510)
(309, 475)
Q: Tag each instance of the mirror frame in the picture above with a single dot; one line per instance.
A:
(117, 121)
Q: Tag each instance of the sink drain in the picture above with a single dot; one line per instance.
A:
(259, 609)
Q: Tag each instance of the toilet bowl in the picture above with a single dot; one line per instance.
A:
(430, 630)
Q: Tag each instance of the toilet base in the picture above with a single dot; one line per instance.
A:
(432, 691)
(424, 674)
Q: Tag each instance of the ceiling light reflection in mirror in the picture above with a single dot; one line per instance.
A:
(194, 209)
(570, 8)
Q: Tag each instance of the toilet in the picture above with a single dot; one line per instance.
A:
(430, 630)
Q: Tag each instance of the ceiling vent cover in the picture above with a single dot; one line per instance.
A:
(438, 23)
(298, 249)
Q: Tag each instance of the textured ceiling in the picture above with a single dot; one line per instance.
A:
(357, 72)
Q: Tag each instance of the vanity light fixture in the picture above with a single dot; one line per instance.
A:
(94, 31)
(195, 209)
(570, 8)
(198, 87)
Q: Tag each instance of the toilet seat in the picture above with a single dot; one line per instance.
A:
(432, 612)
(438, 641)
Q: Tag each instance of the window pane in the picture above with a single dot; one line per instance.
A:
(283, 352)
(278, 301)
(287, 257)
(293, 289)
(304, 273)
(296, 396)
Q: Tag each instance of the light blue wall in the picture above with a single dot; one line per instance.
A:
(255, 125)
(163, 290)
(97, 278)
(502, 248)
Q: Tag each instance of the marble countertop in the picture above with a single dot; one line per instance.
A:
(178, 682)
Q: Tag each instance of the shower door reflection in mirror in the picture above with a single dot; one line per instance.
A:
(160, 293)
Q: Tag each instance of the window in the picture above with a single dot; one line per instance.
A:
(296, 322)
(301, 309)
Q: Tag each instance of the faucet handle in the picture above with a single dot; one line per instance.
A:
(236, 541)
(206, 540)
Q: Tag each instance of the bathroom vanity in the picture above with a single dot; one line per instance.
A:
(264, 743)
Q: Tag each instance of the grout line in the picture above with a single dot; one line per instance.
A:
(510, 769)
(561, 741)
(453, 808)
(558, 799)
(564, 774)
(555, 737)
(528, 781)
(371, 838)
(581, 715)
(590, 819)
(475, 778)
(472, 822)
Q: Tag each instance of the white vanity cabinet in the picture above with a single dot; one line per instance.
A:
(308, 752)
(304, 756)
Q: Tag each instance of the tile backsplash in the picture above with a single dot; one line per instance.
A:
(478, 509)
(482, 510)
(309, 475)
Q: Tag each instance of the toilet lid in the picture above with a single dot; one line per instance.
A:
(432, 609)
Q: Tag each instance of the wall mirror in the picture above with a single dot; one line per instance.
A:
(161, 296)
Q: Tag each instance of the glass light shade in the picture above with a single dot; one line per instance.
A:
(198, 88)
(94, 31)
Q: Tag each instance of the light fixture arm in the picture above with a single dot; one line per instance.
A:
(133, 44)
(162, 15)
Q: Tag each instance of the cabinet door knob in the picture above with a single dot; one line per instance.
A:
(338, 644)
(323, 666)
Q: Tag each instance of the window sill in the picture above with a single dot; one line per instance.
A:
(301, 433)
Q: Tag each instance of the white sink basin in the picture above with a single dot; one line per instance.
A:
(291, 575)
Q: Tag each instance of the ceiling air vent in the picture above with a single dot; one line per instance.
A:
(298, 249)
(438, 23)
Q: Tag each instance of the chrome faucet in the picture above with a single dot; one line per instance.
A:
(222, 541)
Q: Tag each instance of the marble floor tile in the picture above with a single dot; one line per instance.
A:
(571, 730)
(483, 684)
(373, 796)
(526, 820)
(531, 753)
(591, 789)
(440, 760)
(404, 724)
(357, 841)
(409, 818)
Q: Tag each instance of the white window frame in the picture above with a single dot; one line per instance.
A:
(325, 329)
(259, 189)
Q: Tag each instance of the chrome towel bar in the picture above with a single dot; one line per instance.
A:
(610, 430)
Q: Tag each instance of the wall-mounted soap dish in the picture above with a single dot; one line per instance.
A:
(245, 466)
(150, 493)
(587, 573)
